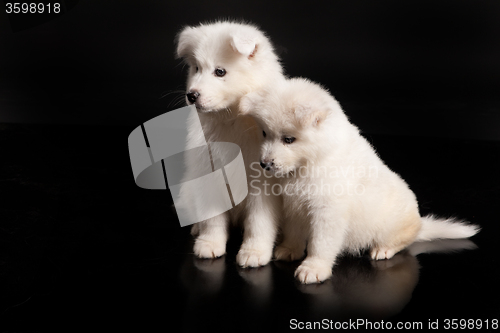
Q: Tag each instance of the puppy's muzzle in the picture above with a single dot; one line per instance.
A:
(266, 164)
(192, 96)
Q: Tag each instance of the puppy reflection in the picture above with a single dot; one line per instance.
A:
(203, 279)
(205, 276)
(258, 285)
(359, 286)
(374, 289)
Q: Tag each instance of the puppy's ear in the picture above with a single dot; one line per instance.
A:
(245, 44)
(185, 41)
(248, 103)
(309, 116)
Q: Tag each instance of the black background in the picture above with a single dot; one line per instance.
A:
(82, 248)
(412, 67)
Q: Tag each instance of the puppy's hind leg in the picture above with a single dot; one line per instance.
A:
(380, 253)
(397, 240)
(212, 236)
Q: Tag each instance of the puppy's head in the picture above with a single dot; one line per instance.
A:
(295, 117)
(226, 61)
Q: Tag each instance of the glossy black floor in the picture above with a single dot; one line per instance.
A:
(83, 248)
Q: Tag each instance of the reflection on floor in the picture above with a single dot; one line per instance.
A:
(359, 288)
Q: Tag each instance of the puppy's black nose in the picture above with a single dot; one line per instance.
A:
(266, 165)
(192, 96)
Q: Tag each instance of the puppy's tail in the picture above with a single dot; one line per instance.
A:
(433, 227)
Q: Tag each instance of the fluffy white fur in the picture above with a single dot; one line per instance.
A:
(249, 63)
(338, 194)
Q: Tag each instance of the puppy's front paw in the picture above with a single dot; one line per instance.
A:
(285, 253)
(253, 257)
(209, 248)
(313, 271)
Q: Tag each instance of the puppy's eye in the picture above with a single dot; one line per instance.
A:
(264, 133)
(289, 140)
(220, 72)
(196, 69)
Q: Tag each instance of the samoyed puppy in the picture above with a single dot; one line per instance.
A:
(226, 61)
(338, 194)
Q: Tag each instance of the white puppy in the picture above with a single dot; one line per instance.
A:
(338, 194)
(226, 61)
